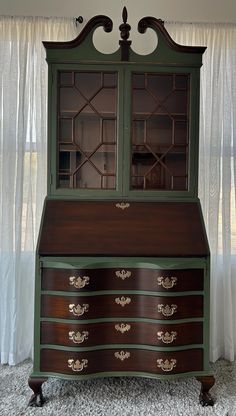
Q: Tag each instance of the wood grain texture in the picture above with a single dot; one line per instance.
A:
(105, 306)
(103, 333)
(144, 229)
(106, 279)
(105, 360)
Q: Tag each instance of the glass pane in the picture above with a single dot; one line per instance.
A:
(109, 131)
(143, 102)
(109, 80)
(176, 163)
(159, 131)
(160, 85)
(88, 83)
(180, 132)
(181, 82)
(104, 101)
(87, 177)
(180, 183)
(87, 133)
(177, 102)
(138, 81)
(65, 130)
(104, 159)
(155, 179)
(71, 101)
(138, 136)
(108, 182)
(87, 130)
(64, 181)
(64, 161)
(66, 78)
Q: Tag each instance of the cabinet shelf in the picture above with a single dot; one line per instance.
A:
(158, 114)
(72, 114)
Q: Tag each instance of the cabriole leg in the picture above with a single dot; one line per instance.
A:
(35, 384)
(205, 397)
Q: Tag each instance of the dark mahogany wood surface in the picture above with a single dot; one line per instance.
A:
(105, 361)
(105, 306)
(144, 229)
(110, 333)
(106, 279)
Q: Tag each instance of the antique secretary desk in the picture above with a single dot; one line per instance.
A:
(122, 262)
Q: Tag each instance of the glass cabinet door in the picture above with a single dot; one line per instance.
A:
(159, 131)
(86, 129)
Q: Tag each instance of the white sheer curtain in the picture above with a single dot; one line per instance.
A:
(23, 125)
(23, 122)
(217, 171)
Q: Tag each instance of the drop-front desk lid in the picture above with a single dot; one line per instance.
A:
(94, 228)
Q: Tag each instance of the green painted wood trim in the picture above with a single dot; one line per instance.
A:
(82, 47)
(37, 310)
(123, 374)
(40, 227)
(122, 346)
(116, 262)
(206, 328)
(120, 292)
(50, 127)
(123, 319)
(204, 231)
(85, 52)
(194, 131)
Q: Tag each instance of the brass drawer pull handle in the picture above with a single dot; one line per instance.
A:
(166, 365)
(167, 310)
(77, 365)
(78, 337)
(166, 337)
(123, 274)
(122, 355)
(167, 282)
(79, 282)
(122, 205)
(122, 327)
(122, 301)
(79, 309)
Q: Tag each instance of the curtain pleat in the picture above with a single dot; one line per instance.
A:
(23, 157)
(217, 171)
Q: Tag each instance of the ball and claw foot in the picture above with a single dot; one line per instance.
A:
(205, 397)
(37, 399)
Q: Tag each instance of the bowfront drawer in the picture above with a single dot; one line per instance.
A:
(112, 360)
(132, 306)
(121, 333)
(123, 279)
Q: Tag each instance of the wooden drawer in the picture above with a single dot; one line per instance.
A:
(122, 279)
(131, 306)
(119, 360)
(121, 333)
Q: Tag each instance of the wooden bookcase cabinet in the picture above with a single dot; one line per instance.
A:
(122, 262)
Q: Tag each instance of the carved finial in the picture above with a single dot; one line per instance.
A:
(124, 15)
(124, 34)
(124, 27)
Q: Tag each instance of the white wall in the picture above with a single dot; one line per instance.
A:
(171, 10)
